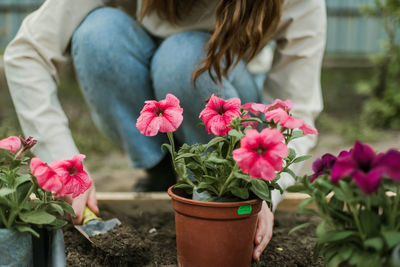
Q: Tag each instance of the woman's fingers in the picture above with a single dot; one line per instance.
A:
(86, 199)
(264, 231)
(92, 200)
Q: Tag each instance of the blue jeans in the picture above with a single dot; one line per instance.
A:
(119, 66)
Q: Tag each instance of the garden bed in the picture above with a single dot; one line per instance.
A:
(147, 238)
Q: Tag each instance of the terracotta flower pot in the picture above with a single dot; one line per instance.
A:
(214, 233)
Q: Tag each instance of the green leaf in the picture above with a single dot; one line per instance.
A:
(236, 133)
(260, 189)
(302, 158)
(66, 207)
(203, 185)
(292, 154)
(296, 188)
(188, 188)
(375, 242)
(291, 173)
(392, 238)
(37, 217)
(215, 141)
(167, 146)
(185, 155)
(24, 228)
(209, 177)
(216, 160)
(23, 190)
(56, 207)
(242, 176)
(305, 202)
(297, 134)
(242, 193)
(336, 204)
(22, 179)
(336, 236)
(6, 191)
(298, 227)
(57, 224)
(343, 254)
(338, 194)
(370, 222)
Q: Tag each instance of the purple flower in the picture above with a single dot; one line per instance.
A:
(390, 162)
(362, 164)
(322, 165)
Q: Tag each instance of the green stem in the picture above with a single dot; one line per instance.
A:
(231, 144)
(369, 203)
(227, 181)
(394, 211)
(3, 219)
(173, 154)
(29, 192)
(357, 221)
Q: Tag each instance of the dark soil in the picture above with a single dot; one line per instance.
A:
(135, 244)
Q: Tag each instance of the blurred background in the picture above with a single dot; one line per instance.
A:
(360, 83)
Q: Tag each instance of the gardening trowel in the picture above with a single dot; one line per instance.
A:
(93, 225)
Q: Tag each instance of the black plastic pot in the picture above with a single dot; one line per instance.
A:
(49, 249)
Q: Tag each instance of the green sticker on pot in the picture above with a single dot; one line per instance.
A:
(244, 210)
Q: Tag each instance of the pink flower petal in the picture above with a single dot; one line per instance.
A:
(143, 122)
(218, 113)
(277, 115)
(75, 179)
(12, 143)
(292, 123)
(307, 129)
(285, 105)
(164, 116)
(46, 177)
(262, 169)
(255, 108)
(261, 154)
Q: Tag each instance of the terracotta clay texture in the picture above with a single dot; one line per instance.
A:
(212, 234)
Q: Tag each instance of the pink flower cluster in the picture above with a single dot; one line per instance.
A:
(261, 153)
(62, 177)
(362, 164)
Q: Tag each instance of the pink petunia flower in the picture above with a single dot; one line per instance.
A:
(261, 154)
(218, 114)
(255, 108)
(285, 120)
(46, 177)
(281, 116)
(164, 116)
(285, 105)
(75, 180)
(12, 143)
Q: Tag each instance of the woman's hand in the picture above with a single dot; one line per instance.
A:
(265, 225)
(78, 204)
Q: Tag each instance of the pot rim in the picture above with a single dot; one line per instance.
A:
(211, 204)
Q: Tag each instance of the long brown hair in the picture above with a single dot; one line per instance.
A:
(241, 26)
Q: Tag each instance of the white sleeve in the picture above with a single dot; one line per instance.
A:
(296, 69)
(31, 62)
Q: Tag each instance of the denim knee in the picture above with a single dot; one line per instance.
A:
(97, 32)
(175, 59)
